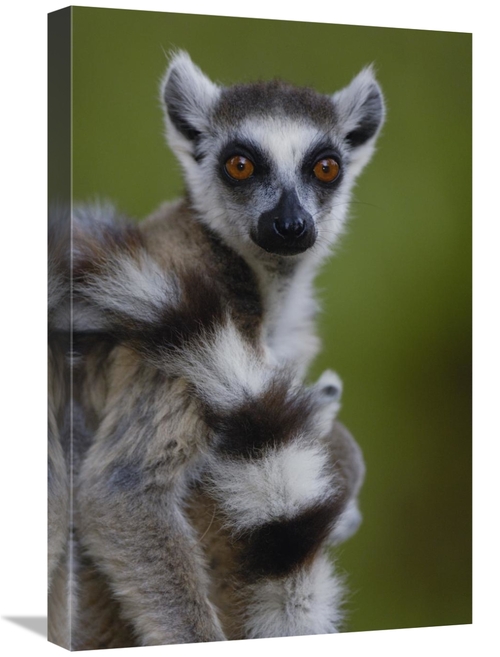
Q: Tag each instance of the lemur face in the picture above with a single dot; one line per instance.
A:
(270, 166)
(278, 178)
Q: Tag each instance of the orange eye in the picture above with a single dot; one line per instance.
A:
(239, 167)
(326, 169)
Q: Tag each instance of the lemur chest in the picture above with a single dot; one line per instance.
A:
(289, 325)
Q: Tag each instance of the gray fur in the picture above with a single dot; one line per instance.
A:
(191, 334)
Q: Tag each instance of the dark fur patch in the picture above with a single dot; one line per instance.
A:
(183, 126)
(86, 342)
(200, 310)
(372, 110)
(279, 548)
(273, 418)
(176, 103)
(271, 98)
(240, 287)
(92, 249)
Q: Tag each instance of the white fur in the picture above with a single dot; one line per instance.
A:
(225, 368)
(276, 486)
(283, 139)
(133, 285)
(307, 602)
(290, 332)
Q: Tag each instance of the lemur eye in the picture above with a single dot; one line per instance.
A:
(326, 170)
(239, 167)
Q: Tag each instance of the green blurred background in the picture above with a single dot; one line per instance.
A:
(396, 298)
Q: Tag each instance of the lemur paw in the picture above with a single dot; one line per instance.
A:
(327, 392)
(329, 386)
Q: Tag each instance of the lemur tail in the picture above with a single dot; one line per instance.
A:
(270, 468)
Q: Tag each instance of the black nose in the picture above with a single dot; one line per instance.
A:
(290, 227)
(286, 229)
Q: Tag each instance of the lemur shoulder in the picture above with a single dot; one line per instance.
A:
(209, 479)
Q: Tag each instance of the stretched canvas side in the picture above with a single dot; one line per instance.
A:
(59, 372)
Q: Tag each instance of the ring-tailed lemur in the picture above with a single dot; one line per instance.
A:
(208, 479)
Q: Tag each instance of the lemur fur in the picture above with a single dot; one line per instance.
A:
(207, 479)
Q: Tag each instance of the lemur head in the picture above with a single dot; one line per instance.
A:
(269, 166)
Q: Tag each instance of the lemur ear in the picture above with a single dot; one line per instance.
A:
(361, 112)
(189, 98)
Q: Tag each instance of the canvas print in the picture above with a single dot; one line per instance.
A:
(248, 439)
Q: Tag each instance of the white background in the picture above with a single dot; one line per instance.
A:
(23, 278)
